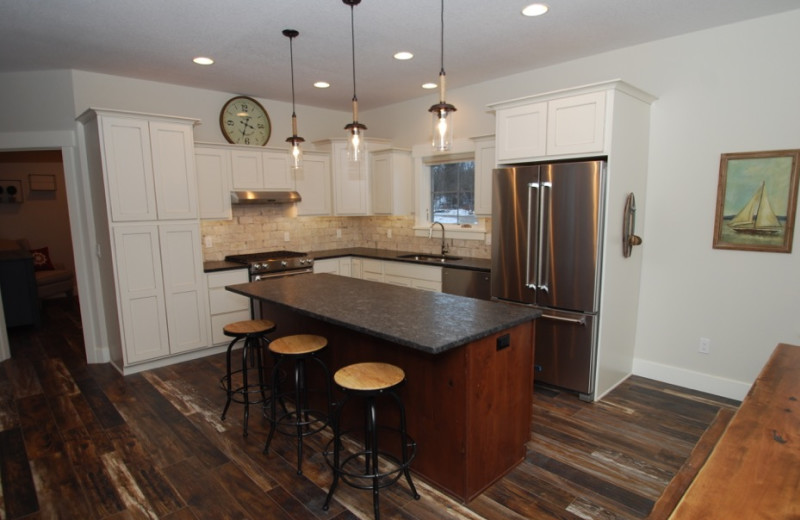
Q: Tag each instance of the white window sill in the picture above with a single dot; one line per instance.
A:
(476, 232)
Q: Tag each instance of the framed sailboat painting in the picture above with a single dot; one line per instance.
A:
(756, 201)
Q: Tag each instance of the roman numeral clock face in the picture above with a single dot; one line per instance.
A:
(244, 121)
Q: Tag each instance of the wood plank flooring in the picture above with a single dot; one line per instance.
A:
(82, 442)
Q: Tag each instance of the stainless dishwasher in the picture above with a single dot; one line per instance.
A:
(467, 282)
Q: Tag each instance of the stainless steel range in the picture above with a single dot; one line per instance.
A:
(272, 264)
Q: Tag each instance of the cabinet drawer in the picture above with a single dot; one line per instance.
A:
(222, 301)
(416, 271)
(223, 278)
(372, 266)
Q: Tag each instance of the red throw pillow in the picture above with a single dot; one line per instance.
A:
(41, 260)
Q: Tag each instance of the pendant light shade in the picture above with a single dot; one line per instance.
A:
(442, 112)
(294, 140)
(355, 130)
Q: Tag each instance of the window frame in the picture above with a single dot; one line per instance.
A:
(462, 150)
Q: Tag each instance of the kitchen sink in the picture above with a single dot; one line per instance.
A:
(430, 258)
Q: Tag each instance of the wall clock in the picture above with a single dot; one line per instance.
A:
(244, 121)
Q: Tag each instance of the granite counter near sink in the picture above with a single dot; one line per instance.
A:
(465, 262)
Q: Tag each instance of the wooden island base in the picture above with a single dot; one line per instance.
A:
(469, 408)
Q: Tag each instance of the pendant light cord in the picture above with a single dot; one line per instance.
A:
(441, 72)
(353, 45)
(291, 62)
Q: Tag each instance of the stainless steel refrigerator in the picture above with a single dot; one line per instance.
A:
(547, 224)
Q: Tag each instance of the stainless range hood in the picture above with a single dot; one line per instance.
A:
(264, 197)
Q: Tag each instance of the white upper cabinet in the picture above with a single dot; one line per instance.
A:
(392, 189)
(149, 167)
(213, 167)
(313, 182)
(575, 124)
(260, 169)
(521, 131)
(174, 170)
(563, 124)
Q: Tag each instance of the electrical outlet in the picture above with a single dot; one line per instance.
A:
(286, 236)
(388, 233)
(209, 242)
(338, 233)
(705, 346)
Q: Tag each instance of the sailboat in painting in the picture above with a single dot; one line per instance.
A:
(757, 216)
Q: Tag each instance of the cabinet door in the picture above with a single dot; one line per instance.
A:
(174, 170)
(128, 168)
(327, 265)
(224, 306)
(350, 183)
(247, 170)
(313, 182)
(277, 173)
(521, 132)
(185, 291)
(372, 270)
(141, 292)
(382, 179)
(484, 164)
(355, 268)
(576, 124)
(213, 182)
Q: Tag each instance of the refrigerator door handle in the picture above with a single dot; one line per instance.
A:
(581, 321)
(543, 261)
(533, 196)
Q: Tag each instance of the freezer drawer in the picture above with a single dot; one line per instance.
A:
(564, 354)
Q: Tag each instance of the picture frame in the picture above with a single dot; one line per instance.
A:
(757, 201)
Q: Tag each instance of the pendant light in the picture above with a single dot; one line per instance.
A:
(355, 130)
(442, 111)
(297, 153)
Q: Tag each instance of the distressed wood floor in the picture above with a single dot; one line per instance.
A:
(82, 442)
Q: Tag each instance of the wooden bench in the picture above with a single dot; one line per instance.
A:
(754, 470)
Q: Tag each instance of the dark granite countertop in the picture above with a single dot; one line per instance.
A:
(427, 321)
(474, 264)
(221, 265)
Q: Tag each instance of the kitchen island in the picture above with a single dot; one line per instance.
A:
(468, 365)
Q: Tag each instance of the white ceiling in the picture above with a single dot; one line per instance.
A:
(484, 39)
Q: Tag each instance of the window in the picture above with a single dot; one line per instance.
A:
(453, 193)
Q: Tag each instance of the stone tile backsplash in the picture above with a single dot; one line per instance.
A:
(269, 228)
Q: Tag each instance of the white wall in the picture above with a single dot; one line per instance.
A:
(104, 91)
(730, 89)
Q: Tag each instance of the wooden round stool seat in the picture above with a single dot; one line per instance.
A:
(298, 344)
(369, 377)
(243, 328)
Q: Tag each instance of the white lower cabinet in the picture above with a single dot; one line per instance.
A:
(372, 269)
(224, 306)
(160, 289)
(326, 265)
(425, 277)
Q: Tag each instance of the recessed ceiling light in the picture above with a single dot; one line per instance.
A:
(535, 10)
(322, 84)
(403, 55)
(202, 60)
(429, 85)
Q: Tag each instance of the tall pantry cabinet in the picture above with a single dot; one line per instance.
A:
(145, 209)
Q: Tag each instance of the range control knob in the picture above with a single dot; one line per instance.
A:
(283, 263)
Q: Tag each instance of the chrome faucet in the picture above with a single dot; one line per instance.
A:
(445, 250)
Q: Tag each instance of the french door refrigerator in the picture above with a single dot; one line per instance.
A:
(546, 252)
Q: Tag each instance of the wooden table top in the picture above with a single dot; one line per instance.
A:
(754, 471)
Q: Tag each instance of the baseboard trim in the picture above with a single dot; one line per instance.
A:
(691, 379)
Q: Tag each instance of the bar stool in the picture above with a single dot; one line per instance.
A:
(303, 420)
(254, 334)
(367, 467)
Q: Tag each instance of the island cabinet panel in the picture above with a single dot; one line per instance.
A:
(468, 408)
